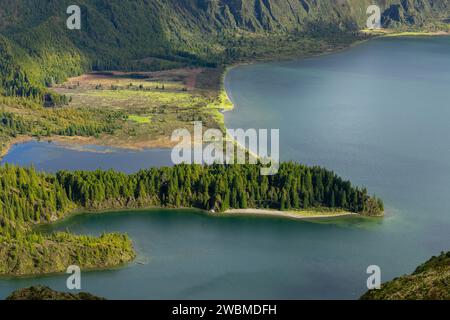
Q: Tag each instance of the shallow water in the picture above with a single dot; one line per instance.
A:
(377, 114)
(52, 157)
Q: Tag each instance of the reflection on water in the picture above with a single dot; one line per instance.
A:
(376, 114)
(52, 157)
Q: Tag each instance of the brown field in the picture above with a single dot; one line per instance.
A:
(156, 103)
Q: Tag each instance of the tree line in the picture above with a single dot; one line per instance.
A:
(29, 197)
(64, 122)
(219, 188)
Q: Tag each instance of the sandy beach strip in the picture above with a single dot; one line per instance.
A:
(301, 215)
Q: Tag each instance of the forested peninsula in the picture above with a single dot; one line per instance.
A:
(199, 39)
(29, 198)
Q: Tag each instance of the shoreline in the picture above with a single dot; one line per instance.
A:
(301, 214)
(164, 142)
(78, 143)
(297, 215)
(387, 33)
(287, 58)
(56, 273)
(11, 143)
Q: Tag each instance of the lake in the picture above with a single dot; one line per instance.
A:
(51, 157)
(376, 114)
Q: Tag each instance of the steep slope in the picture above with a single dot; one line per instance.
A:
(45, 293)
(116, 34)
(431, 280)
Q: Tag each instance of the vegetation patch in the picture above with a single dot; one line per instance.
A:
(33, 254)
(110, 108)
(28, 198)
(140, 119)
(45, 293)
(430, 281)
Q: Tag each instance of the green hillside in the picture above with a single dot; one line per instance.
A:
(430, 281)
(37, 52)
(36, 48)
(28, 198)
(45, 293)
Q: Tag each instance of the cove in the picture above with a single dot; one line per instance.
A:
(376, 114)
(52, 157)
(189, 254)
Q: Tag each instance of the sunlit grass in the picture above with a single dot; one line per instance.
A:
(140, 119)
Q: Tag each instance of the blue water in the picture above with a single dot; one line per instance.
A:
(52, 157)
(377, 114)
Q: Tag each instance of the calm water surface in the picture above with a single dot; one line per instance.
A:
(377, 114)
(52, 157)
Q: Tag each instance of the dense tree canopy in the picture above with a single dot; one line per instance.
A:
(28, 197)
(37, 50)
(218, 187)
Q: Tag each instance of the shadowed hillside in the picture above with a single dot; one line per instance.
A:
(36, 48)
(430, 281)
(45, 293)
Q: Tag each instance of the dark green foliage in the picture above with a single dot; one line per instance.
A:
(13, 81)
(430, 281)
(33, 253)
(218, 187)
(37, 50)
(28, 197)
(15, 78)
(45, 293)
(40, 122)
(12, 124)
(442, 260)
